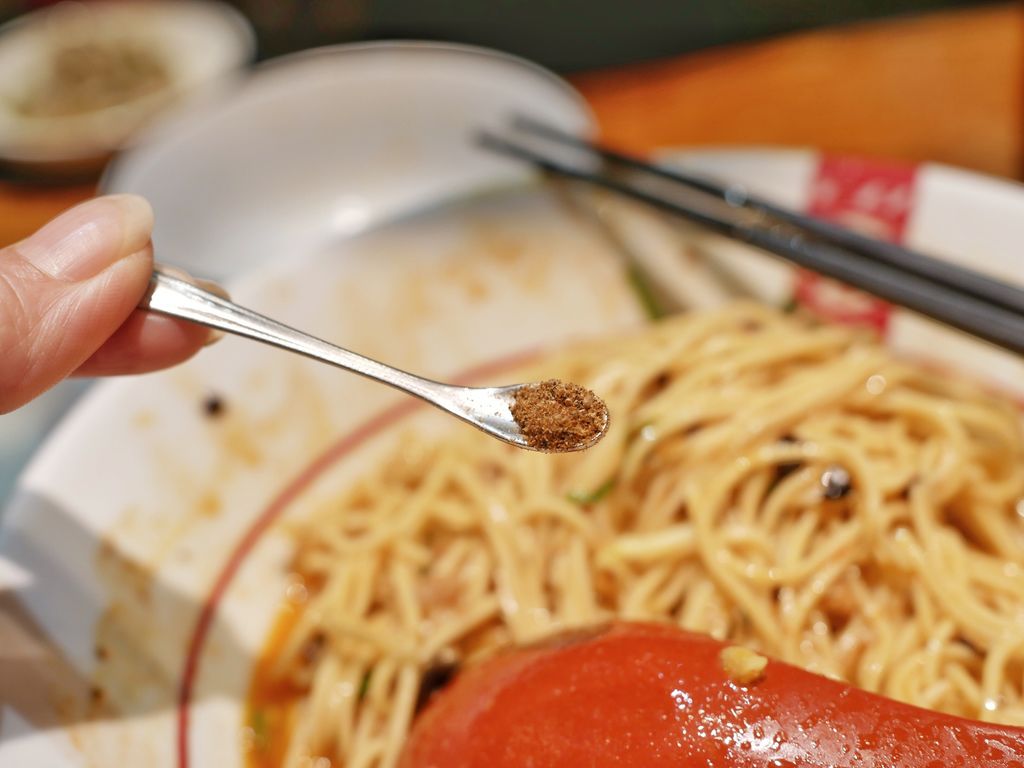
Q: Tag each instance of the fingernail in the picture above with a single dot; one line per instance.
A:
(216, 290)
(85, 240)
(214, 335)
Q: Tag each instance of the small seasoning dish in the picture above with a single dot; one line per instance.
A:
(80, 79)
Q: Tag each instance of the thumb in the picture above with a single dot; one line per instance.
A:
(67, 288)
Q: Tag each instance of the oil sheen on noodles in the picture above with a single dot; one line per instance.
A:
(785, 485)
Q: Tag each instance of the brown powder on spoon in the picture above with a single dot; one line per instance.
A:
(555, 415)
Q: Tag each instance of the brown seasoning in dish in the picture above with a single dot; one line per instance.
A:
(558, 416)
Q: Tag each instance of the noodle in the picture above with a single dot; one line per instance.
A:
(786, 486)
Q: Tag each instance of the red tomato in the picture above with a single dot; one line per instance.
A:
(649, 695)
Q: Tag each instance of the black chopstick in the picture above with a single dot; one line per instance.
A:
(938, 270)
(890, 280)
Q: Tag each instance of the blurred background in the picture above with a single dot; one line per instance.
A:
(911, 80)
(567, 36)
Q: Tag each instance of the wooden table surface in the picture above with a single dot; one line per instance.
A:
(946, 87)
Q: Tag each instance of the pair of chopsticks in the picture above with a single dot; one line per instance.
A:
(949, 293)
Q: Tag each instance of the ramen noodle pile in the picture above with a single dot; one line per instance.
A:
(787, 486)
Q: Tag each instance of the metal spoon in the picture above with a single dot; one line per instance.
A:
(486, 408)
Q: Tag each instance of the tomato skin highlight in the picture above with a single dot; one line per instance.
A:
(650, 695)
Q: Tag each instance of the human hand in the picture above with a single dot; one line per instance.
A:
(68, 298)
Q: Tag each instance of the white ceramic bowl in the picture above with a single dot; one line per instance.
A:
(323, 144)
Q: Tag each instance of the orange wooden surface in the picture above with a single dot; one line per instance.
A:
(25, 208)
(947, 87)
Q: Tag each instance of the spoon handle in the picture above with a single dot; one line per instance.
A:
(170, 295)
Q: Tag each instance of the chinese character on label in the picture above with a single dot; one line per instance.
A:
(871, 197)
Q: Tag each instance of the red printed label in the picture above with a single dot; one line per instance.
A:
(872, 197)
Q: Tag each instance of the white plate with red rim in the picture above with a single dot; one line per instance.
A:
(144, 557)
